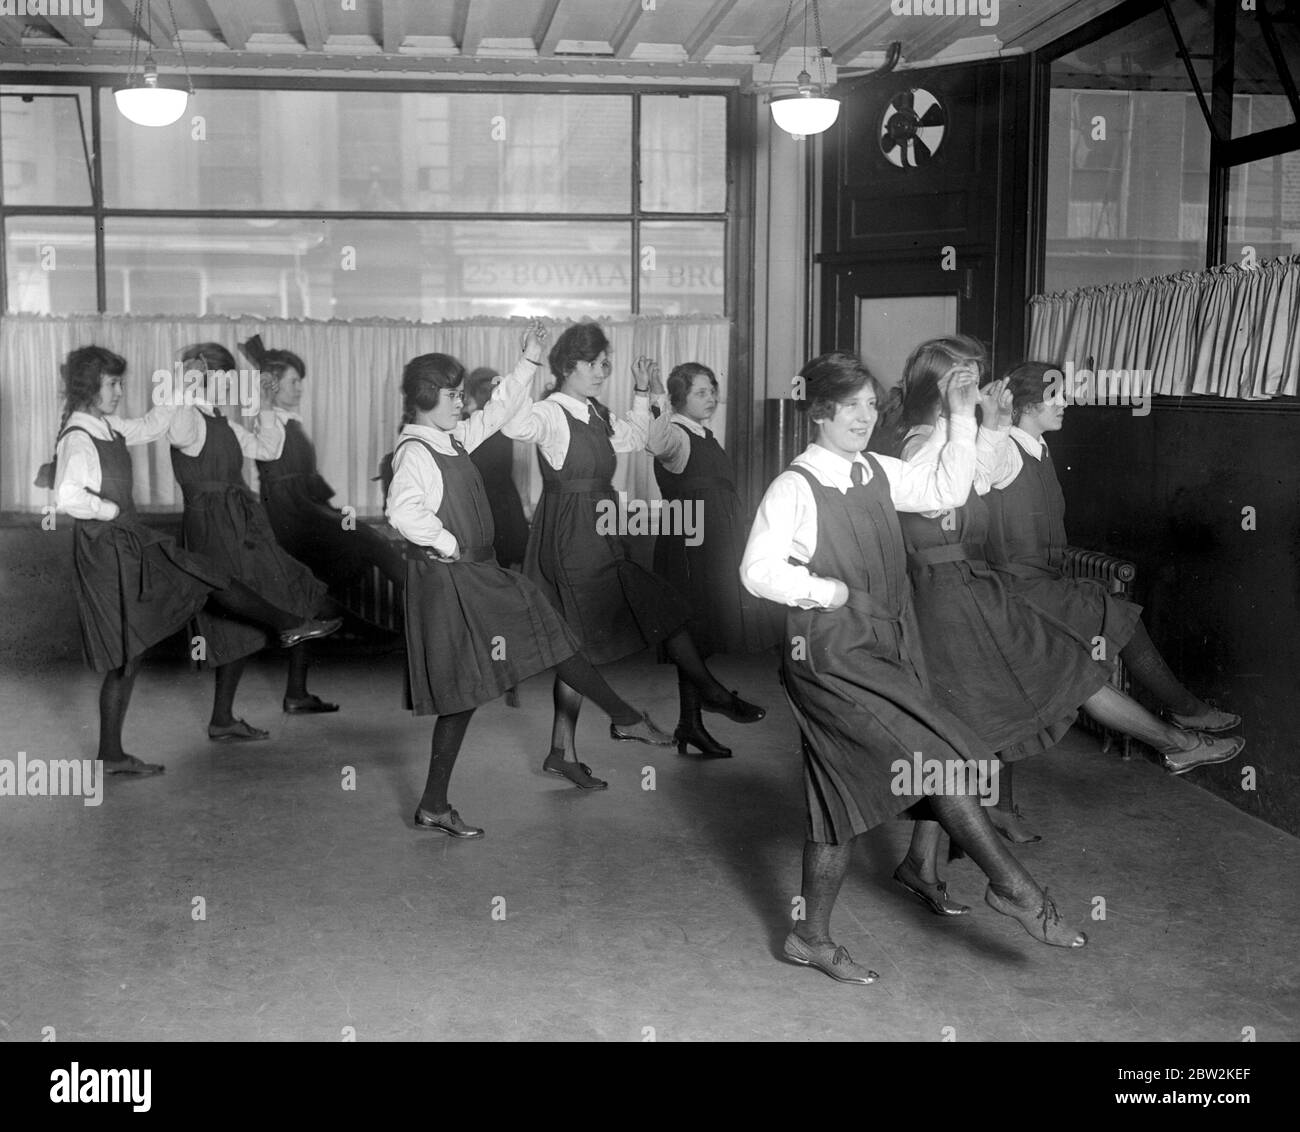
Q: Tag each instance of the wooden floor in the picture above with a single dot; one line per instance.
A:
(613, 916)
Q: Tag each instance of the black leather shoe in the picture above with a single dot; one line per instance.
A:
(646, 731)
(310, 705)
(309, 630)
(448, 822)
(933, 896)
(577, 773)
(696, 736)
(737, 709)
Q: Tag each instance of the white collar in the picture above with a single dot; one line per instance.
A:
(283, 415)
(1034, 445)
(579, 408)
(81, 419)
(697, 427)
(441, 441)
(832, 467)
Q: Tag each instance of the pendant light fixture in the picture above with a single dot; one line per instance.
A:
(142, 99)
(807, 111)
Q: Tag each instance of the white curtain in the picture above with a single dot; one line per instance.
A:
(1228, 332)
(352, 400)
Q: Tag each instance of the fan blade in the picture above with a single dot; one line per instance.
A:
(921, 154)
(902, 100)
(887, 142)
(934, 116)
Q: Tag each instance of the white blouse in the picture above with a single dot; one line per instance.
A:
(545, 425)
(79, 477)
(936, 478)
(416, 491)
(669, 445)
(994, 465)
(189, 432)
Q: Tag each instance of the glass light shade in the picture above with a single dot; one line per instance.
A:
(148, 105)
(803, 114)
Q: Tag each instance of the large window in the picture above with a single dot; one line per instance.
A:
(352, 203)
(1130, 174)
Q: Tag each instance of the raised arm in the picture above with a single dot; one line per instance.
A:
(940, 473)
(511, 398)
(145, 430)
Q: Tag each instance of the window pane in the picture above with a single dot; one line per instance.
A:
(1127, 186)
(1264, 207)
(44, 154)
(50, 264)
(683, 267)
(683, 153)
(363, 151)
(409, 269)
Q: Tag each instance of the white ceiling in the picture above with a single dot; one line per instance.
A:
(728, 41)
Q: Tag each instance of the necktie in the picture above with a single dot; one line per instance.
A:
(218, 413)
(857, 475)
(708, 433)
(457, 447)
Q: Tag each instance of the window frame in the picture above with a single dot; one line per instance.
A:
(97, 82)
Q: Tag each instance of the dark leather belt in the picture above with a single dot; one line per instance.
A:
(578, 487)
(413, 552)
(954, 552)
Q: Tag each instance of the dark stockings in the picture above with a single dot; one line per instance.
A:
(223, 693)
(1148, 668)
(681, 650)
(114, 699)
(448, 734)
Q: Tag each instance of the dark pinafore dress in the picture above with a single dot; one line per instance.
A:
(725, 616)
(614, 606)
(225, 522)
(1026, 542)
(855, 676)
(1015, 675)
(135, 586)
(494, 459)
(473, 628)
(297, 501)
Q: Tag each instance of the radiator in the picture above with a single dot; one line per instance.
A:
(373, 598)
(1117, 575)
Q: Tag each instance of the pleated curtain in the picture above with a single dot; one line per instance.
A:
(352, 399)
(1231, 331)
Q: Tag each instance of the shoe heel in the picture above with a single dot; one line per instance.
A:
(681, 746)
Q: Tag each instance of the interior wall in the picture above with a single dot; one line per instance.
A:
(1222, 602)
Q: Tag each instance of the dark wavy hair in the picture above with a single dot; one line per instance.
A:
(274, 362)
(582, 342)
(683, 377)
(422, 380)
(919, 395)
(209, 355)
(82, 373)
(831, 379)
(478, 386)
(1029, 382)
